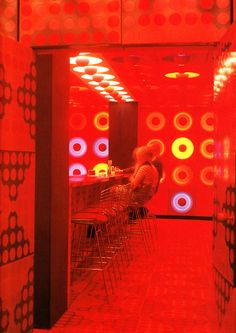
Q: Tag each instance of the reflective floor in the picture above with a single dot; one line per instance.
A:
(168, 291)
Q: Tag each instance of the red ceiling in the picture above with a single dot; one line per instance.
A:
(142, 69)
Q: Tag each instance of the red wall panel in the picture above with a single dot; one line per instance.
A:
(17, 174)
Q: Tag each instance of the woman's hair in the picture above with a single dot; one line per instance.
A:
(143, 154)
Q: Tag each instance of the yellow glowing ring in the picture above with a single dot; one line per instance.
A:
(203, 148)
(186, 145)
(204, 119)
(97, 121)
(151, 118)
(160, 144)
(186, 117)
(204, 175)
(186, 171)
(100, 167)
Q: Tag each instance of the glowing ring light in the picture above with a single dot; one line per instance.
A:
(100, 69)
(100, 167)
(151, 121)
(182, 148)
(204, 175)
(97, 150)
(82, 147)
(181, 202)
(77, 121)
(98, 123)
(187, 121)
(92, 60)
(77, 169)
(204, 121)
(203, 148)
(105, 77)
(160, 144)
(182, 175)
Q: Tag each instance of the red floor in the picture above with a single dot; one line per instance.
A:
(169, 291)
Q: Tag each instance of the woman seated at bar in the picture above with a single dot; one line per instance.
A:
(144, 180)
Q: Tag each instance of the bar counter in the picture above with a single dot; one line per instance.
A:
(85, 190)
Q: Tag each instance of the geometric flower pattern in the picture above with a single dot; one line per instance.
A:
(5, 91)
(229, 210)
(4, 318)
(222, 289)
(12, 169)
(14, 246)
(24, 309)
(26, 98)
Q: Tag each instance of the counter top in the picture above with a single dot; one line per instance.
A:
(75, 181)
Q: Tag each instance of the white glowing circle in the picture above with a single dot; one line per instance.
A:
(118, 88)
(93, 83)
(100, 69)
(113, 83)
(177, 206)
(77, 169)
(99, 88)
(104, 93)
(97, 150)
(108, 96)
(105, 77)
(92, 60)
(82, 147)
(129, 100)
(123, 92)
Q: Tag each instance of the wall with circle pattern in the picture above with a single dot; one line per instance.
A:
(17, 185)
(88, 134)
(224, 227)
(186, 146)
(62, 22)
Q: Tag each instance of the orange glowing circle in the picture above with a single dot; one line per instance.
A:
(183, 121)
(207, 121)
(101, 121)
(100, 168)
(178, 75)
(207, 148)
(182, 175)
(159, 143)
(182, 148)
(155, 121)
(207, 175)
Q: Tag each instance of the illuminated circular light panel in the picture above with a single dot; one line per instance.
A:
(101, 121)
(159, 143)
(123, 93)
(155, 121)
(100, 168)
(77, 147)
(207, 175)
(93, 83)
(90, 77)
(183, 121)
(104, 93)
(204, 148)
(207, 121)
(118, 88)
(182, 175)
(77, 169)
(92, 60)
(100, 147)
(176, 75)
(181, 202)
(100, 69)
(99, 88)
(182, 148)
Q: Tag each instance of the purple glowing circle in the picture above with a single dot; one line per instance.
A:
(175, 202)
(77, 147)
(77, 169)
(99, 145)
